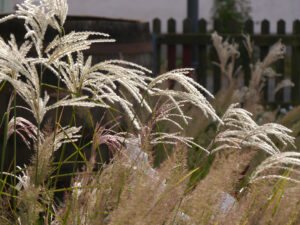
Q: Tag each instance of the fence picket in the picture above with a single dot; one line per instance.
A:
(264, 49)
(187, 49)
(206, 53)
(246, 59)
(234, 27)
(171, 48)
(202, 55)
(295, 65)
(214, 58)
(280, 64)
(157, 47)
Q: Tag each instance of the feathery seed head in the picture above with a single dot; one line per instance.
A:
(276, 52)
(225, 51)
(287, 161)
(241, 131)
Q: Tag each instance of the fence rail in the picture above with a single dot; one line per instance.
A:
(202, 42)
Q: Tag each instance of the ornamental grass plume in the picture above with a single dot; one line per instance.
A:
(23, 128)
(263, 69)
(240, 131)
(230, 91)
(284, 161)
(191, 94)
(227, 54)
(33, 193)
(252, 95)
(129, 187)
(99, 80)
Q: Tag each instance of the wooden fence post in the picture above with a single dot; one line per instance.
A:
(295, 65)
(246, 59)
(214, 58)
(234, 27)
(280, 64)
(171, 48)
(187, 49)
(265, 30)
(156, 46)
(202, 55)
(207, 53)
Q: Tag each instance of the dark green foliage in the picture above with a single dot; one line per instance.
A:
(229, 11)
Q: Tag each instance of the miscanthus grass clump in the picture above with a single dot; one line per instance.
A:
(146, 175)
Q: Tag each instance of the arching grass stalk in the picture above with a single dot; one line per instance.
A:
(78, 151)
(4, 144)
(64, 145)
(4, 122)
(293, 215)
(38, 123)
(75, 162)
(177, 210)
(158, 129)
(55, 130)
(63, 149)
(38, 141)
(94, 135)
(277, 192)
(131, 125)
(15, 146)
(55, 122)
(4, 182)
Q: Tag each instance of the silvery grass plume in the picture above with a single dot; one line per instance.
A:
(63, 135)
(33, 194)
(191, 92)
(284, 83)
(100, 79)
(38, 15)
(49, 143)
(170, 112)
(23, 178)
(173, 139)
(276, 52)
(14, 61)
(129, 75)
(262, 69)
(104, 80)
(40, 168)
(29, 91)
(227, 54)
(284, 161)
(72, 42)
(239, 131)
(23, 128)
(248, 44)
(108, 136)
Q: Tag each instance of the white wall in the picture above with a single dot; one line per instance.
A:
(273, 10)
(6, 6)
(139, 9)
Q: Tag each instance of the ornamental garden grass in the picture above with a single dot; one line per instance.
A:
(112, 144)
